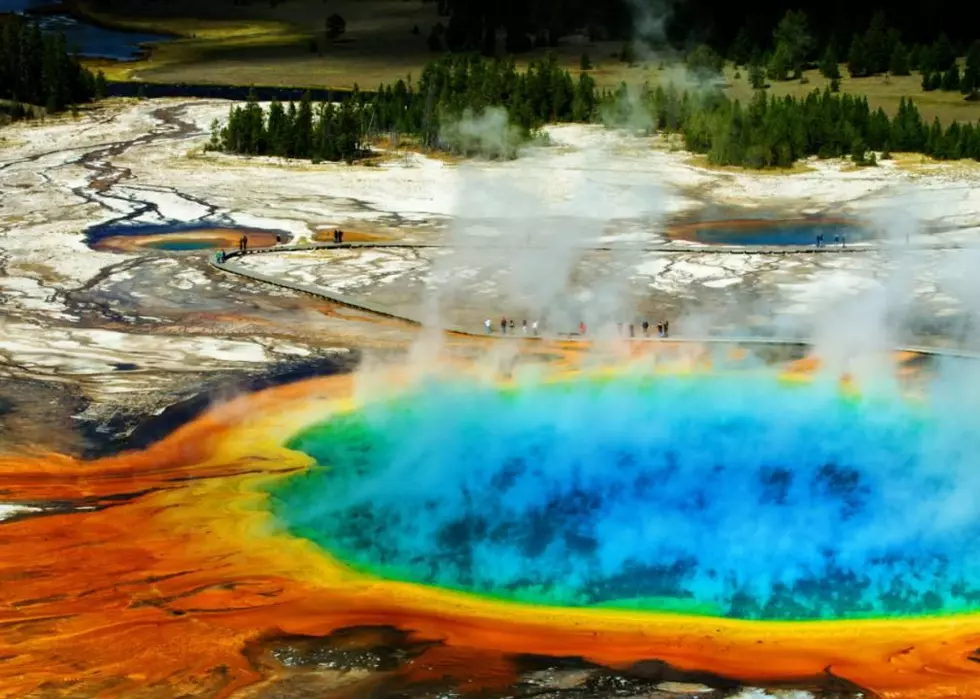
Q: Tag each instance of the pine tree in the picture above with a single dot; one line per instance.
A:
(968, 82)
(101, 88)
(292, 147)
(915, 57)
(741, 52)
(899, 63)
(857, 58)
(793, 41)
(583, 105)
(943, 54)
(829, 65)
(951, 78)
(876, 45)
(858, 152)
(780, 63)
(303, 128)
(278, 130)
(971, 70)
(757, 77)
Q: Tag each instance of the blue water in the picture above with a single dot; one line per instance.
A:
(722, 495)
(779, 234)
(183, 245)
(89, 40)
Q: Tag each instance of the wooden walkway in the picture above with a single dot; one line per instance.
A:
(231, 267)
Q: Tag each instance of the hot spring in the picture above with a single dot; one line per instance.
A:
(769, 232)
(178, 237)
(734, 495)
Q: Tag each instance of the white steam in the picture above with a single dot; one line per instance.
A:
(488, 133)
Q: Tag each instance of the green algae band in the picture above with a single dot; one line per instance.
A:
(728, 496)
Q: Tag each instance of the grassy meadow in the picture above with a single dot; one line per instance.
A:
(218, 41)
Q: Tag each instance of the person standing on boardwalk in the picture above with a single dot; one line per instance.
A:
(488, 326)
(632, 330)
(511, 323)
(660, 329)
(244, 243)
(524, 326)
(646, 329)
(534, 328)
(581, 328)
(666, 328)
(503, 325)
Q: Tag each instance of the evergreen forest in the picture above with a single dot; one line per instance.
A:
(37, 70)
(766, 132)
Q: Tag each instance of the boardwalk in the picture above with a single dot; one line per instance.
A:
(230, 266)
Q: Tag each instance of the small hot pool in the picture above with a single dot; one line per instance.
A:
(768, 232)
(179, 237)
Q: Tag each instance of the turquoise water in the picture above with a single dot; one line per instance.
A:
(779, 234)
(177, 245)
(729, 496)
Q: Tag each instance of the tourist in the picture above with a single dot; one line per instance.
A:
(836, 238)
(503, 325)
(646, 329)
(666, 328)
(534, 328)
(244, 243)
(488, 325)
(843, 240)
(660, 329)
(581, 328)
(632, 331)
(511, 323)
(524, 326)
(340, 236)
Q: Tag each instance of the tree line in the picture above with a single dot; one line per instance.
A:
(449, 90)
(877, 50)
(776, 132)
(767, 132)
(38, 69)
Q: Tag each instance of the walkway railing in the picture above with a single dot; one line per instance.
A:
(227, 265)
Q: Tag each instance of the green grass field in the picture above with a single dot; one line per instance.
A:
(221, 42)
